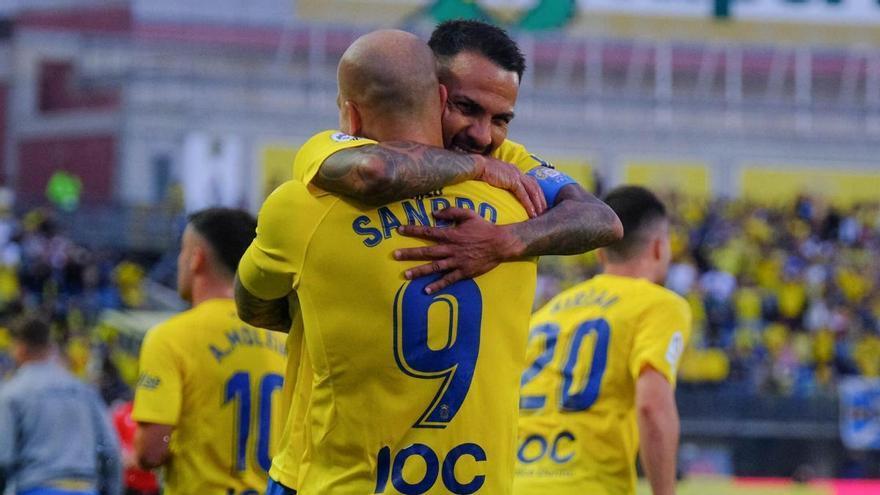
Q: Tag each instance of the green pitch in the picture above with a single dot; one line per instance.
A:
(728, 487)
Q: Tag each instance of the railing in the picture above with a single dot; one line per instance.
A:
(724, 412)
(797, 90)
(669, 78)
(759, 434)
(136, 228)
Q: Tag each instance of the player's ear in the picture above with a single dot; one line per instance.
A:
(657, 248)
(199, 259)
(353, 118)
(444, 96)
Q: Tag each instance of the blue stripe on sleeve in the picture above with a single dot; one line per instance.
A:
(551, 182)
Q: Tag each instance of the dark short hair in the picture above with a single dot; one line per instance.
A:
(639, 210)
(453, 37)
(31, 330)
(228, 231)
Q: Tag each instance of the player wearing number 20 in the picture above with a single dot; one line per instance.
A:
(602, 363)
(409, 392)
(208, 401)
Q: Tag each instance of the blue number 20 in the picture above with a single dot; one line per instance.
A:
(239, 387)
(455, 362)
(579, 400)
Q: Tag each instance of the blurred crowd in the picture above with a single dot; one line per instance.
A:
(42, 270)
(786, 299)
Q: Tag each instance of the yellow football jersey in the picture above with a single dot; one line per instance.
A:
(517, 154)
(587, 347)
(407, 392)
(305, 167)
(218, 382)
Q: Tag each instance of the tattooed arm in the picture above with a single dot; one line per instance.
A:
(577, 223)
(271, 315)
(380, 173)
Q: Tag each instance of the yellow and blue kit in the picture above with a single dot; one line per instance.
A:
(587, 347)
(218, 382)
(396, 391)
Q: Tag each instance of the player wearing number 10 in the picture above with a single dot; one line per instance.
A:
(208, 401)
(409, 392)
(602, 361)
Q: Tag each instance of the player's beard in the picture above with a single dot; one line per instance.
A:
(463, 144)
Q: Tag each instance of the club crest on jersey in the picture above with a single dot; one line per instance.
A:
(341, 137)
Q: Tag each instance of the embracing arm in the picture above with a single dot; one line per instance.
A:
(577, 223)
(377, 174)
(273, 314)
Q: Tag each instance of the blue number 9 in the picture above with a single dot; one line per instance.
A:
(456, 361)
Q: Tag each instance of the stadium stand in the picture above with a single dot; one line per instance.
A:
(785, 298)
(43, 270)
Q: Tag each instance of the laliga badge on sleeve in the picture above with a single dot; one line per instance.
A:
(341, 137)
(675, 349)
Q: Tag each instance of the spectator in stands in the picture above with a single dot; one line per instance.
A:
(55, 436)
(785, 298)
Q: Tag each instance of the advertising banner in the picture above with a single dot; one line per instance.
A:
(277, 166)
(801, 11)
(807, 11)
(213, 171)
(687, 177)
(838, 183)
(860, 413)
(549, 14)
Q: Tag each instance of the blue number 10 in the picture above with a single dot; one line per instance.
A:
(239, 388)
(455, 362)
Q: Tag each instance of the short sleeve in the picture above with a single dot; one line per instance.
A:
(264, 275)
(517, 154)
(285, 225)
(159, 391)
(318, 148)
(661, 338)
